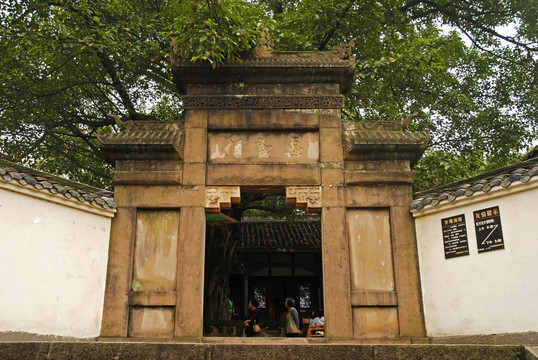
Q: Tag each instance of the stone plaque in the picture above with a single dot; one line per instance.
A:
(455, 236)
(489, 234)
(263, 147)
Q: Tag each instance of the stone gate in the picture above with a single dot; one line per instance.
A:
(269, 123)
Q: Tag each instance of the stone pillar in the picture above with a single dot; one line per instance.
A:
(386, 297)
(407, 278)
(190, 274)
(336, 280)
(335, 249)
(191, 249)
(116, 305)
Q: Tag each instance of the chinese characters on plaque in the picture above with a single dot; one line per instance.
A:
(455, 236)
(489, 234)
(251, 147)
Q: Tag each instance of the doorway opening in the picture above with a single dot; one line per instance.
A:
(263, 249)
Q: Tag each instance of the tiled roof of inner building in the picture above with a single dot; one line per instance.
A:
(55, 185)
(270, 235)
(504, 177)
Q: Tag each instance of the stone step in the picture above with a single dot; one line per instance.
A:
(288, 351)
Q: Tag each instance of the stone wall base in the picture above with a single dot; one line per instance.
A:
(139, 350)
(526, 338)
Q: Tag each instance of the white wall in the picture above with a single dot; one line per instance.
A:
(488, 293)
(53, 262)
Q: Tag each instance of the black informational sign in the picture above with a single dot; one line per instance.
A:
(455, 236)
(489, 234)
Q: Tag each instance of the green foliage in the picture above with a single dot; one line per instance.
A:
(217, 31)
(66, 66)
(437, 168)
(271, 206)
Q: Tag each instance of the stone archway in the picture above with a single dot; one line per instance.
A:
(273, 121)
(255, 250)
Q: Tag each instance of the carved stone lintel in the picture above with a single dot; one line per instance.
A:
(221, 197)
(262, 102)
(304, 197)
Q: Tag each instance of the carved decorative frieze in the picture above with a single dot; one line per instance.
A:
(221, 197)
(262, 102)
(304, 197)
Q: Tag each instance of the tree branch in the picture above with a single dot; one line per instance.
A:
(329, 35)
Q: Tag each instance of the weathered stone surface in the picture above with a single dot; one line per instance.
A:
(370, 249)
(379, 177)
(377, 195)
(238, 175)
(331, 145)
(146, 177)
(266, 124)
(405, 257)
(118, 282)
(332, 176)
(255, 119)
(160, 195)
(241, 147)
(527, 338)
(382, 141)
(263, 102)
(375, 322)
(151, 322)
(196, 119)
(304, 197)
(274, 88)
(190, 279)
(155, 252)
(290, 351)
(194, 174)
(144, 140)
(336, 274)
(278, 68)
(374, 298)
(148, 166)
(195, 141)
(330, 119)
(221, 197)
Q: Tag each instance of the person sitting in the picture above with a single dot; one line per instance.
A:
(319, 319)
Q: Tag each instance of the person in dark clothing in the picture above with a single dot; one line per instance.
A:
(253, 318)
(292, 319)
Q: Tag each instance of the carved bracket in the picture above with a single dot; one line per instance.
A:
(221, 197)
(304, 197)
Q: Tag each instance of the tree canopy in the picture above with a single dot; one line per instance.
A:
(68, 68)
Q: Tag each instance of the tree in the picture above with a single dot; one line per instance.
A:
(222, 242)
(65, 67)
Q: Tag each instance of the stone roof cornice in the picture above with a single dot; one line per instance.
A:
(334, 66)
(382, 140)
(144, 140)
